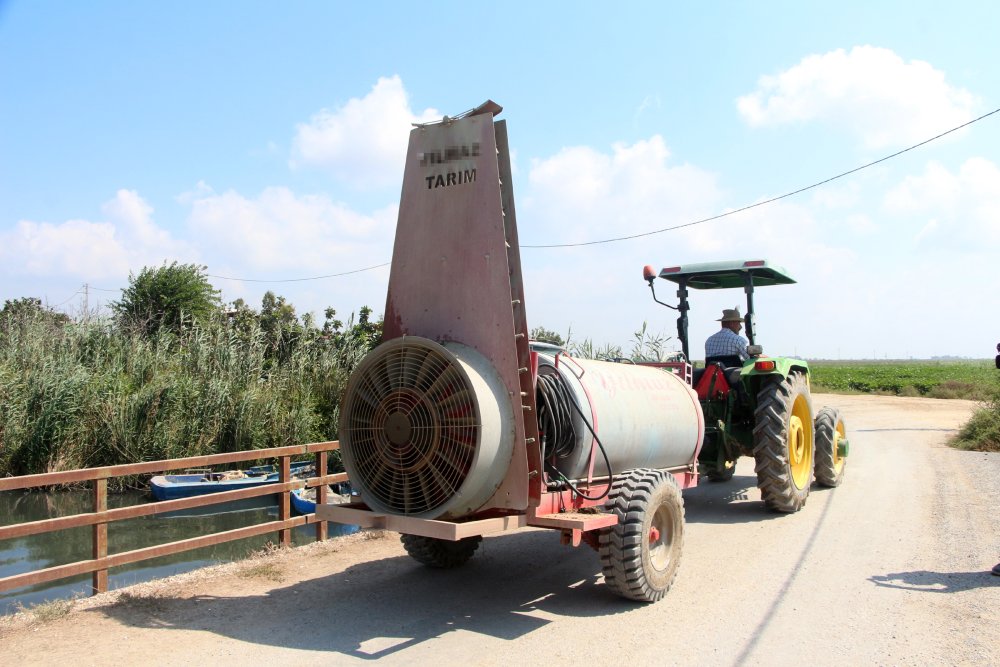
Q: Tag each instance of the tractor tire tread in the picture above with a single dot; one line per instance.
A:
(826, 427)
(774, 479)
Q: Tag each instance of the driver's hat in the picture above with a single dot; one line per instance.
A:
(730, 315)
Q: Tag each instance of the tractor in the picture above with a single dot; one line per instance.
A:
(761, 406)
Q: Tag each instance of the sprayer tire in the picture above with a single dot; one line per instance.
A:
(783, 442)
(443, 554)
(830, 429)
(641, 553)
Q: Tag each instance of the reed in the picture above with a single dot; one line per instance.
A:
(88, 394)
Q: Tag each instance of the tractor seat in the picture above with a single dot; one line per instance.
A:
(732, 375)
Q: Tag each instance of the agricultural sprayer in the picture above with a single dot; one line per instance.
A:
(457, 426)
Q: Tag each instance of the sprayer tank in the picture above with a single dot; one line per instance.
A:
(646, 417)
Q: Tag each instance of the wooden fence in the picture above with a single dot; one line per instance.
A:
(101, 516)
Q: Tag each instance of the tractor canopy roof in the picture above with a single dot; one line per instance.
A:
(724, 275)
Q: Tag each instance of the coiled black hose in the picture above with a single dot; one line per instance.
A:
(558, 434)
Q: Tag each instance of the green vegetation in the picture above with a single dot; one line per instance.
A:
(982, 432)
(645, 346)
(933, 379)
(168, 297)
(105, 392)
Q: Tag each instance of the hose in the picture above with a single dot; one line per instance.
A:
(557, 432)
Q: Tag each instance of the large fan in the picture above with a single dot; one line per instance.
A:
(412, 426)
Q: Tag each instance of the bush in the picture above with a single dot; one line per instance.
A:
(982, 431)
(169, 297)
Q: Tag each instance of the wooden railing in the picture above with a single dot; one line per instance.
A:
(102, 516)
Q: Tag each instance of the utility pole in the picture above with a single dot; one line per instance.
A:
(86, 302)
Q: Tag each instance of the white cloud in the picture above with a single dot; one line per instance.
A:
(279, 230)
(127, 240)
(362, 143)
(582, 194)
(954, 209)
(872, 91)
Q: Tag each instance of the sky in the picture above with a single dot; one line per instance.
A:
(266, 142)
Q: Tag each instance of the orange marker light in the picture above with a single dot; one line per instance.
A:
(763, 366)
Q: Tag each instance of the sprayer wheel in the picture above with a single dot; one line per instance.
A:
(641, 553)
(830, 430)
(433, 552)
(783, 442)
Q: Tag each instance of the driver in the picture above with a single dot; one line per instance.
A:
(727, 345)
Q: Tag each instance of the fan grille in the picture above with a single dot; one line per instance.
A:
(411, 426)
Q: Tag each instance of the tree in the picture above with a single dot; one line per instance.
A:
(544, 335)
(167, 297)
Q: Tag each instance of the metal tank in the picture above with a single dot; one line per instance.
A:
(645, 417)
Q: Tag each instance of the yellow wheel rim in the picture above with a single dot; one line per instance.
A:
(838, 435)
(800, 442)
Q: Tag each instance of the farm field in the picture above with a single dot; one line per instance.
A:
(970, 379)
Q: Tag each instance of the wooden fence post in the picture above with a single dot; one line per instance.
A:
(100, 536)
(321, 494)
(284, 503)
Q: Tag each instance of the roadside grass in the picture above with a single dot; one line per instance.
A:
(260, 564)
(982, 432)
(51, 610)
(269, 571)
(147, 602)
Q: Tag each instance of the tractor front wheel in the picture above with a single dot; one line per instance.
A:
(830, 434)
(641, 553)
(783, 442)
(723, 473)
(444, 554)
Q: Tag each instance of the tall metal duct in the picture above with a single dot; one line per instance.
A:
(433, 421)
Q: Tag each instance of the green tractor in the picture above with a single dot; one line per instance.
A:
(761, 406)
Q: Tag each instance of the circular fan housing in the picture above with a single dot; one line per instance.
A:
(426, 430)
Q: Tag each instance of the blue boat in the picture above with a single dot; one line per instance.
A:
(304, 500)
(186, 485)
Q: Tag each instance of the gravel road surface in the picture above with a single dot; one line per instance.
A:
(891, 568)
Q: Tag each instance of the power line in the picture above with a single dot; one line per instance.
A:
(299, 280)
(63, 303)
(766, 201)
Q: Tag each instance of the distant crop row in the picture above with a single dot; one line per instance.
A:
(934, 379)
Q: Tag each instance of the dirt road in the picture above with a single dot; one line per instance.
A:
(890, 568)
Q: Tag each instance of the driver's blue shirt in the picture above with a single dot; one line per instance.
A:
(726, 342)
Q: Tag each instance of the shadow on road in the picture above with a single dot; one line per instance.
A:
(377, 608)
(936, 582)
(735, 501)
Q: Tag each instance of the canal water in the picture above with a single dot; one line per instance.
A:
(36, 552)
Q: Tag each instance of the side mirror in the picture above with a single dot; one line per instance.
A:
(755, 350)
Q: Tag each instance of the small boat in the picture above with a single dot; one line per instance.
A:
(201, 482)
(304, 500)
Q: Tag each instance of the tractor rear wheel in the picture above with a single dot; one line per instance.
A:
(830, 431)
(641, 553)
(444, 554)
(783, 442)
